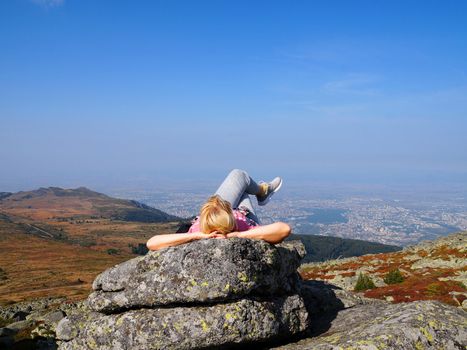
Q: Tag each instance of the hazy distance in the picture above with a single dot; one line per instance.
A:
(112, 94)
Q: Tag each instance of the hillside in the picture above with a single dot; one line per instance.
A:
(322, 248)
(54, 241)
(33, 267)
(432, 270)
(80, 203)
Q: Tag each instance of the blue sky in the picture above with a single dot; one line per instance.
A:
(108, 93)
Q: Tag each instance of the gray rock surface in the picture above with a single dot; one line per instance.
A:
(203, 271)
(242, 321)
(27, 307)
(31, 324)
(209, 293)
(417, 325)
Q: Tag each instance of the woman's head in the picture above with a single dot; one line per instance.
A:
(217, 215)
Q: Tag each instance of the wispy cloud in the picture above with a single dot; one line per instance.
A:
(356, 84)
(48, 3)
(338, 51)
(448, 103)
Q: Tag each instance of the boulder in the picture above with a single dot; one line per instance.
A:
(243, 321)
(203, 271)
(209, 293)
(53, 316)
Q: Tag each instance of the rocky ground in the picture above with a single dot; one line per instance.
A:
(238, 293)
(432, 270)
(417, 325)
(32, 324)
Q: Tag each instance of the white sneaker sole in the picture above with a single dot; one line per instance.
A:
(269, 197)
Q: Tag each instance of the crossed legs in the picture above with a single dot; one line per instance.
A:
(236, 189)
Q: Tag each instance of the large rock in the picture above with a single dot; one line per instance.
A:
(416, 325)
(243, 321)
(210, 270)
(209, 293)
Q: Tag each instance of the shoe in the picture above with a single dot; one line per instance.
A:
(272, 188)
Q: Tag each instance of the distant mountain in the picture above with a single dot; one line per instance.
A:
(322, 248)
(56, 202)
(4, 194)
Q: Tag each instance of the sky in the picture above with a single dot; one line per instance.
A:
(121, 93)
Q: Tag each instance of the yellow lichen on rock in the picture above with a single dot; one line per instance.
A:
(204, 325)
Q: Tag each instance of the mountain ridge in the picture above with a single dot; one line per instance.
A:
(64, 203)
(53, 241)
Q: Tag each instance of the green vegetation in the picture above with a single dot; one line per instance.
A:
(141, 249)
(364, 282)
(113, 251)
(142, 214)
(434, 289)
(393, 277)
(322, 248)
(87, 243)
(3, 275)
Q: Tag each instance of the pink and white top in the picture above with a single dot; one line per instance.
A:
(244, 223)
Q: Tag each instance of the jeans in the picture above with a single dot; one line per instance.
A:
(236, 189)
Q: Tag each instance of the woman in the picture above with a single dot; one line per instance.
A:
(230, 213)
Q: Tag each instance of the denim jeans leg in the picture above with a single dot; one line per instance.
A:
(235, 185)
(245, 201)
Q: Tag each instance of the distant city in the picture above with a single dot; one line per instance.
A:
(402, 216)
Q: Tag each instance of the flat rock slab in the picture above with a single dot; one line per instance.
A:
(205, 271)
(416, 325)
(243, 321)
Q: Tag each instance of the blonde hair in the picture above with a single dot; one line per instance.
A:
(217, 215)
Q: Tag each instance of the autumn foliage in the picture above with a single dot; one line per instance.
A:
(438, 278)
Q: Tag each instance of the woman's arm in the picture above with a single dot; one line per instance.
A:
(273, 233)
(173, 239)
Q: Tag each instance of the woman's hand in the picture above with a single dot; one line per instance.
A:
(202, 235)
